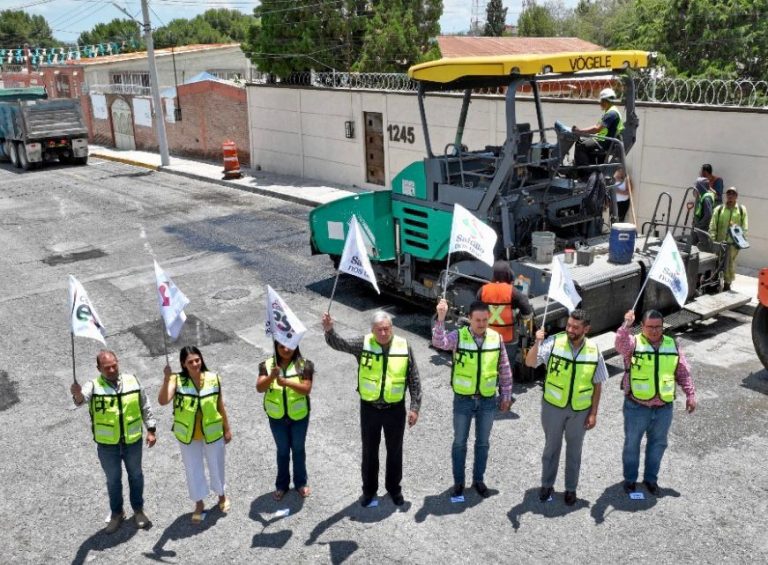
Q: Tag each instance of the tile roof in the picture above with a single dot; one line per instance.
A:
(465, 46)
(181, 49)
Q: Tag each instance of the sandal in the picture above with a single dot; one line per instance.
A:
(225, 505)
(278, 494)
(304, 491)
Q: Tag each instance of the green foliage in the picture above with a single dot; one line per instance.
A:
(118, 31)
(495, 19)
(536, 21)
(18, 28)
(213, 26)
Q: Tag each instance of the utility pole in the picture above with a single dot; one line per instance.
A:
(162, 141)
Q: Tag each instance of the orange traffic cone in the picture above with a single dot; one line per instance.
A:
(231, 162)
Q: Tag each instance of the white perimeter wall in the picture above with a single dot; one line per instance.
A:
(301, 132)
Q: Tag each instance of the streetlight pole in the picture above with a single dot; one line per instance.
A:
(162, 141)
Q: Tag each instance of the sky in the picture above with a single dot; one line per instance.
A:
(69, 18)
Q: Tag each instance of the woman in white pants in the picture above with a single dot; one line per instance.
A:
(200, 424)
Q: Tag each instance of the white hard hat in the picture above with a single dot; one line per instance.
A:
(607, 94)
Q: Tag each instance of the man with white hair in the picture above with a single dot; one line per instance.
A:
(592, 150)
(385, 368)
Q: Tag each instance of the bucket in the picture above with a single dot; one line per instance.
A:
(621, 244)
(568, 255)
(543, 243)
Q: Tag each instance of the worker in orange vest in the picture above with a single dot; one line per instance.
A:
(503, 299)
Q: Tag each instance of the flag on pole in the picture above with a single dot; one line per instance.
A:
(472, 236)
(83, 319)
(171, 302)
(561, 287)
(282, 324)
(354, 258)
(668, 269)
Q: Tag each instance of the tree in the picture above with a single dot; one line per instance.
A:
(536, 21)
(495, 19)
(18, 28)
(213, 26)
(117, 31)
(232, 24)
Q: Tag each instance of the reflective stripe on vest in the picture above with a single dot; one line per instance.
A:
(114, 415)
(498, 296)
(372, 383)
(476, 370)
(188, 400)
(569, 380)
(276, 397)
(652, 372)
(603, 133)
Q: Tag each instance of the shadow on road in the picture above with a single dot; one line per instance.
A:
(614, 498)
(101, 541)
(754, 381)
(441, 505)
(551, 509)
(267, 511)
(182, 528)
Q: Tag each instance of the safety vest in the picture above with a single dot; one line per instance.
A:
(188, 400)
(699, 209)
(383, 375)
(652, 372)
(498, 296)
(569, 380)
(719, 224)
(603, 133)
(115, 415)
(476, 369)
(277, 397)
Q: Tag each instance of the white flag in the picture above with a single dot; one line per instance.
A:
(282, 324)
(561, 287)
(171, 302)
(354, 258)
(470, 235)
(83, 319)
(669, 270)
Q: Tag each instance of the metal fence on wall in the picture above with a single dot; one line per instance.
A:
(681, 91)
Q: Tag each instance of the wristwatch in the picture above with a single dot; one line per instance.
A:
(151, 430)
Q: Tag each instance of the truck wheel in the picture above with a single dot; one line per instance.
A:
(23, 160)
(65, 159)
(10, 148)
(760, 333)
(80, 160)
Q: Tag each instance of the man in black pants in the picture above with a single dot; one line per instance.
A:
(385, 368)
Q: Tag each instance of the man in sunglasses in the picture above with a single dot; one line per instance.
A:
(654, 365)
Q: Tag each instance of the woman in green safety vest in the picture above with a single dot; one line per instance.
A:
(286, 380)
(200, 424)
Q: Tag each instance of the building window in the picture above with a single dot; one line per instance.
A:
(130, 79)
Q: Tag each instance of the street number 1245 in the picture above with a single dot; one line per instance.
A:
(401, 133)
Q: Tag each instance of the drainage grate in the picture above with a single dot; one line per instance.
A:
(65, 258)
(8, 396)
(195, 332)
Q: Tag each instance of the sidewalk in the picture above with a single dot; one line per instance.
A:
(285, 187)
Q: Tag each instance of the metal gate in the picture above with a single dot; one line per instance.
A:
(374, 148)
(122, 125)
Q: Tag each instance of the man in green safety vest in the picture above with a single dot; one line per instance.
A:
(702, 213)
(385, 369)
(480, 367)
(592, 150)
(653, 365)
(725, 217)
(574, 380)
(119, 407)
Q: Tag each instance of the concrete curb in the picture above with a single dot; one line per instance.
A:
(124, 161)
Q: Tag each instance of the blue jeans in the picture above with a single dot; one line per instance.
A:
(111, 457)
(654, 423)
(483, 410)
(289, 437)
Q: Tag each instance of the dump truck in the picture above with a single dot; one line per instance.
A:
(35, 129)
(529, 184)
(760, 319)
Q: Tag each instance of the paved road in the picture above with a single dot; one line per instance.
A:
(105, 222)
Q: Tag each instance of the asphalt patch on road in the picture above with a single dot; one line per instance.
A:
(65, 258)
(195, 332)
(8, 396)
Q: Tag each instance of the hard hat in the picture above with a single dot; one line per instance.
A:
(607, 94)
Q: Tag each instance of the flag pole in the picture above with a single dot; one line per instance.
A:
(639, 294)
(546, 307)
(333, 292)
(74, 374)
(165, 342)
(445, 280)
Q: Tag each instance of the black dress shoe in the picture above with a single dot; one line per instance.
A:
(653, 488)
(629, 487)
(481, 489)
(545, 493)
(457, 490)
(570, 497)
(366, 500)
(398, 499)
